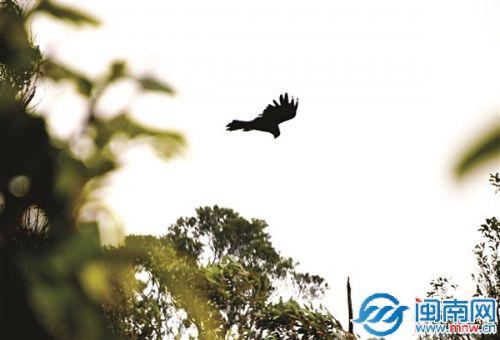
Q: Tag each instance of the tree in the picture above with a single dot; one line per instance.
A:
(55, 276)
(217, 274)
(487, 277)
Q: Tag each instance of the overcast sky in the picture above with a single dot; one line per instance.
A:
(360, 182)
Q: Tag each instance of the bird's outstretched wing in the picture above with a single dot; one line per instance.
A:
(279, 112)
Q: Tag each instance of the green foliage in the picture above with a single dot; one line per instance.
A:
(226, 267)
(219, 232)
(487, 259)
(487, 278)
(82, 173)
(289, 320)
(56, 277)
(169, 299)
(19, 58)
(486, 252)
(68, 285)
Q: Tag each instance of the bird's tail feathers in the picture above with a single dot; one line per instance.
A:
(238, 125)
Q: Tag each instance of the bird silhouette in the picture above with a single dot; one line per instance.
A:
(270, 118)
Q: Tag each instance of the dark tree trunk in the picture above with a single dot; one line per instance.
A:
(349, 306)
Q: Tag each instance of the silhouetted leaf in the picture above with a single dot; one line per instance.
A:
(69, 14)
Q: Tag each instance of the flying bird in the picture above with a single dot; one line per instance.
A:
(270, 118)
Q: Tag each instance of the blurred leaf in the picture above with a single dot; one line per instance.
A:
(152, 84)
(485, 150)
(95, 281)
(61, 304)
(69, 14)
(167, 143)
(164, 142)
(58, 72)
(117, 70)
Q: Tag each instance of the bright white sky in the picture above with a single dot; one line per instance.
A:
(360, 182)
